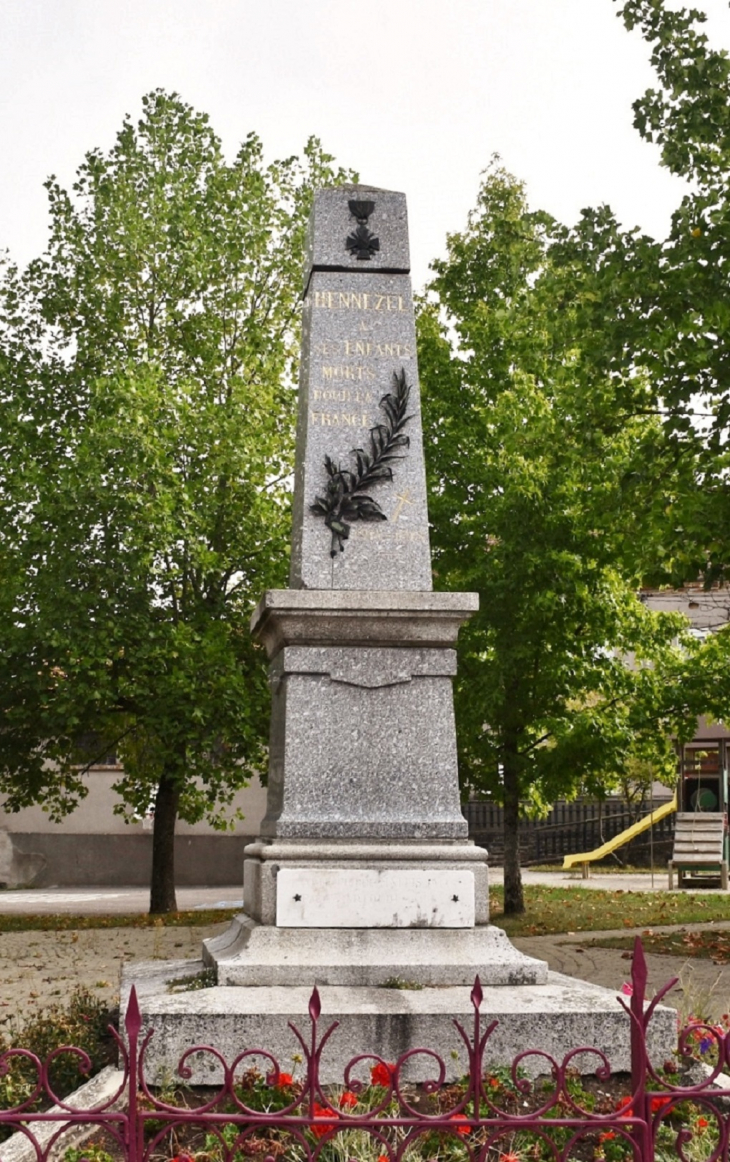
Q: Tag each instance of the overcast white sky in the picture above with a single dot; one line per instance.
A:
(415, 94)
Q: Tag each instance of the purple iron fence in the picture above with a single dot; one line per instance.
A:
(378, 1116)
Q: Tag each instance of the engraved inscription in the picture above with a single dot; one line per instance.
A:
(358, 301)
(342, 395)
(365, 347)
(353, 371)
(402, 500)
(339, 420)
(400, 533)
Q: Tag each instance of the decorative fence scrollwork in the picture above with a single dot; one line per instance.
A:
(378, 1115)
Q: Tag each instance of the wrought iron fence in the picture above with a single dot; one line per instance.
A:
(377, 1115)
(569, 827)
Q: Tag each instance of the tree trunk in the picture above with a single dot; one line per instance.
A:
(162, 887)
(514, 902)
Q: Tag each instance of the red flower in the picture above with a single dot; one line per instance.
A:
(509, 1157)
(463, 1127)
(607, 1137)
(348, 1099)
(383, 1158)
(283, 1080)
(381, 1074)
(657, 1103)
(702, 1123)
(624, 1104)
(323, 1128)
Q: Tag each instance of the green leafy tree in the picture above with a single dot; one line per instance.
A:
(662, 306)
(543, 467)
(146, 385)
(682, 333)
(685, 303)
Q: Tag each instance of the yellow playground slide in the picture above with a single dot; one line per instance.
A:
(586, 858)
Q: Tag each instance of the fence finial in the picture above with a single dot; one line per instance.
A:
(133, 1018)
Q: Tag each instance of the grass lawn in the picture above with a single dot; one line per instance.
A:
(549, 910)
(714, 946)
(61, 922)
(554, 910)
(604, 867)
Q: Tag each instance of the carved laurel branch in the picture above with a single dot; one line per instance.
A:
(345, 499)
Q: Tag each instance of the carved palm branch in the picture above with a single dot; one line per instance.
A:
(345, 499)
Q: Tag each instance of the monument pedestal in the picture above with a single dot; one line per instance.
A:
(364, 827)
(556, 1017)
(364, 884)
(363, 873)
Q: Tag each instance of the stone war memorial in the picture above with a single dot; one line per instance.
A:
(363, 878)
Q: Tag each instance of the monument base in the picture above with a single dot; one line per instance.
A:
(247, 954)
(366, 884)
(554, 1019)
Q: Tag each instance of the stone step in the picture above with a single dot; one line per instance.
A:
(555, 1018)
(249, 954)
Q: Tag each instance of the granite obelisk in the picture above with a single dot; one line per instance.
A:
(363, 839)
(363, 742)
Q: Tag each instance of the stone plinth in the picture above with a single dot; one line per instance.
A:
(363, 740)
(363, 617)
(249, 952)
(556, 1017)
(364, 826)
(396, 862)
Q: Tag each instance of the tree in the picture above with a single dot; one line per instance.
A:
(543, 469)
(147, 363)
(662, 306)
(682, 334)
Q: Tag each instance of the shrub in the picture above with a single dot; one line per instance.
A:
(82, 1023)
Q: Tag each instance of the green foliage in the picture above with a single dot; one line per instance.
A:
(205, 979)
(543, 466)
(675, 321)
(64, 922)
(89, 1152)
(400, 982)
(83, 1024)
(691, 945)
(147, 369)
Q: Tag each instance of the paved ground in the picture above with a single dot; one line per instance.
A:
(703, 988)
(102, 901)
(41, 968)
